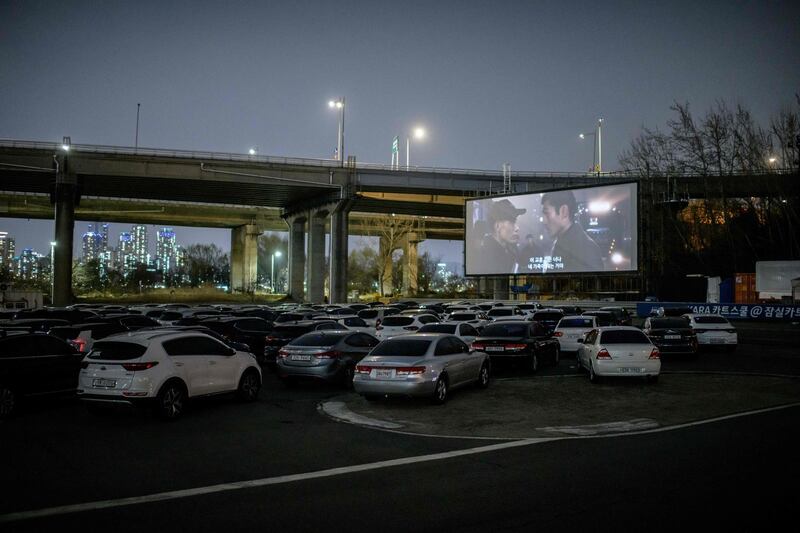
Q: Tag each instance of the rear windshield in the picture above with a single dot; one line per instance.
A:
(603, 318)
(318, 339)
(505, 330)
(547, 316)
(575, 323)
(458, 317)
(397, 321)
(402, 347)
(500, 312)
(116, 351)
(624, 337)
(370, 313)
(170, 315)
(711, 320)
(289, 317)
(669, 323)
(438, 328)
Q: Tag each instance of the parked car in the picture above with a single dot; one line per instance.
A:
(375, 315)
(420, 364)
(476, 319)
(603, 318)
(569, 309)
(519, 341)
(296, 316)
(713, 330)
(71, 316)
(355, 323)
(35, 365)
(249, 330)
(621, 351)
(621, 315)
(462, 330)
(548, 318)
(83, 336)
(671, 334)
(164, 370)
(131, 322)
(402, 324)
(34, 324)
(283, 334)
(529, 308)
(506, 312)
(324, 355)
(571, 329)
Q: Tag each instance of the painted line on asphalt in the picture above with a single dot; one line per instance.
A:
(226, 487)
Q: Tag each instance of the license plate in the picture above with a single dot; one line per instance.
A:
(384, 373)
(106, 383)
(717, 341)
(672, 337)
(301, 358)
(630, 370)
(494, 348)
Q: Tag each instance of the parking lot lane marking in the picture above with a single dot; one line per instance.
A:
(625, 426)
(225, 487)
(339, 411)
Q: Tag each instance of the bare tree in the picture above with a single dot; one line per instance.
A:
(392, 232)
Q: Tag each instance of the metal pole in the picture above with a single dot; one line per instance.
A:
(137, 126)
(599, 146)
(408, 158)
(272, 272)
(341, 134)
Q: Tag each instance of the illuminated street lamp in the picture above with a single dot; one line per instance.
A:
(52, 271)
(597, 164)
(272, 268)
(419, 134)
(339, 104)
(253, 150)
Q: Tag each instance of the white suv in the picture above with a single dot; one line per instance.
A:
(164, 369)
(713, 330)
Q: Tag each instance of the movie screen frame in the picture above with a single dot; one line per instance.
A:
(516, 233)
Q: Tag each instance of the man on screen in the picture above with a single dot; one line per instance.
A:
(573, 249)
(498, 252)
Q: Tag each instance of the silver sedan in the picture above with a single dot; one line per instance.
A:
(421, 364)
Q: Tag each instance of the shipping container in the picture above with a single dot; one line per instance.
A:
(745, 288)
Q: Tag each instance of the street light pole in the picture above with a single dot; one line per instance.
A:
(52, 271)
(599, 146)
(339, 104)
(272, 269)
(419, 133)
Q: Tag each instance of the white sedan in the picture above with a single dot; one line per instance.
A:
(571, 329)
(462, 330)
(623, 351)
(713, 330)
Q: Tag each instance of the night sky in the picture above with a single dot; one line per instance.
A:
(492, 82)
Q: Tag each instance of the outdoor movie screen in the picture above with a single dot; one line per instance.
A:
(591, 229)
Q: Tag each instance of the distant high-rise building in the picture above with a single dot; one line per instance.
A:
(166, 250)
(104, 238)
(126, 259)
(29, 265)
(139, 235)
(92, 242)
(7, 249)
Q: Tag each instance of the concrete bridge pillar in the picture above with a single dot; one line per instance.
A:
(297, 257)
(410, 269)
(65, 198)
(385, 255)
(316, 255)
(339, 255)
(244, 258)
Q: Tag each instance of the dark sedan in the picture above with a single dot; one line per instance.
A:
(251, 331)
(324, 355)
(548, 318)
(671, 334)
(35, 365)
(519, 341)
(283, 334)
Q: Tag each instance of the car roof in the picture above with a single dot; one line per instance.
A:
(619, 328)
(575, 316)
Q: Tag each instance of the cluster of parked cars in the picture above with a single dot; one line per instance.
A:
(161, 356)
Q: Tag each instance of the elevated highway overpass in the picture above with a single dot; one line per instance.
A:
(251, 194)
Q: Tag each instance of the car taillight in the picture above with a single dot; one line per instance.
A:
(134, 367)
(282, 353)
(411, 328)
(515, 346)
(478, 346)
(558, 334)
(363, 369)
(79, 344)
(332, 354)
(603, 354)
(409, 370)
(655, 354)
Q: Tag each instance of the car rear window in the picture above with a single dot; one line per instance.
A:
(501, 312)
(170, 315)
(318, 339)
(116, 351)
(289, 317)
(290, 331)
(402, 347)
(624, 337)
(369, 313)
(575, 323)
(438, 328)
(505, 330)
(458, 317)
(547, 316)
(394, 321)
(711, 320)
(669, 323)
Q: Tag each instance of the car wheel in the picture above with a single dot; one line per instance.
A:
(249, 386)
(8, 401)
(348, 373)
(578, 363)
(594, 378)
(440, 390)
(171, 401)
(533, 363)
(484, 376)
(557, 358)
